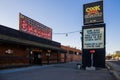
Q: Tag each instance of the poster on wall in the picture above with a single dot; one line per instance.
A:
(93, 13)
(33, 27)
(93, 38)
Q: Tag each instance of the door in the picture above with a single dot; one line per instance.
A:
(37, 58)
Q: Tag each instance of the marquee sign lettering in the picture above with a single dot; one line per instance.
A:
(93, 38)
(33, 27)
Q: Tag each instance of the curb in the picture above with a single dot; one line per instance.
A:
(112, 70)
(116, 75)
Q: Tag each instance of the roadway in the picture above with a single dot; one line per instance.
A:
(114, 68)
(116, 62)
(67, 71)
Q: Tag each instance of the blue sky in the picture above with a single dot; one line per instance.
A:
(63, 16)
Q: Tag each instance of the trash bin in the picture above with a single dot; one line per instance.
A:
(78, 65)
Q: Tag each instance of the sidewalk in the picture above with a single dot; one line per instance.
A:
(67, 71)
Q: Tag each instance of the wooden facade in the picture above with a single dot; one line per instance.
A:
(19, 48)
(13, 54)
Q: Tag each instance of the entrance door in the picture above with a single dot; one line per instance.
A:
(37, 58)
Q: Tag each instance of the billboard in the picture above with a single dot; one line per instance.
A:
(33, 27)
(93, 38)
(93, 13)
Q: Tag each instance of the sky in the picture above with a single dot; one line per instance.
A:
(63, 16)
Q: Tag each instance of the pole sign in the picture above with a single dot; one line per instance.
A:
(93, 38)
(33, 27)
(93, 13)
(93, 35)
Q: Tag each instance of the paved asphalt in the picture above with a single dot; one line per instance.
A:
(114, 68)
(116, 62)
(66, 71)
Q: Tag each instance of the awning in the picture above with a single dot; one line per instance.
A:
(9, 39)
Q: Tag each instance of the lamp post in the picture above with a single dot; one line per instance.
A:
(48, 56)
(31, 57)
(81, 32)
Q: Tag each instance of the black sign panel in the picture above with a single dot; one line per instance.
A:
(93, 43)
(93, 13)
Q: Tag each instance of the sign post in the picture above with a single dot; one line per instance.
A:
(92, 52)
(92, 67)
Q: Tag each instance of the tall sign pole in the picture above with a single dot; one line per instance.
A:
(93, 35)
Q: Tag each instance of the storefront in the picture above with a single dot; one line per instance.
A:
(72, 54)
(20, 48)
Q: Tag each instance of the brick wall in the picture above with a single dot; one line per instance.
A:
(72, 54)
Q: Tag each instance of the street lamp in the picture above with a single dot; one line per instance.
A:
(48, 56)
(31, 57)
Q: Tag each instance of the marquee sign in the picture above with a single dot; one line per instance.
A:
(33, 27)
(93, 12)
(93, 38)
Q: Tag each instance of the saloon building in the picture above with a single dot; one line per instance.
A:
(20, 48)
(32, 44)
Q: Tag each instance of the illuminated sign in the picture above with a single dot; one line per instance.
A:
(33, 27)
(93, 12)
(93, 38)
(92, 51)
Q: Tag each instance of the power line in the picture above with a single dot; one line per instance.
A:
(67, 33)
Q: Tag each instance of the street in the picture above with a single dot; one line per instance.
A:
(116, 62)
(114, 66)
(67, 71)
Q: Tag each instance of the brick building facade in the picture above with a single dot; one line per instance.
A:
(72, 54)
